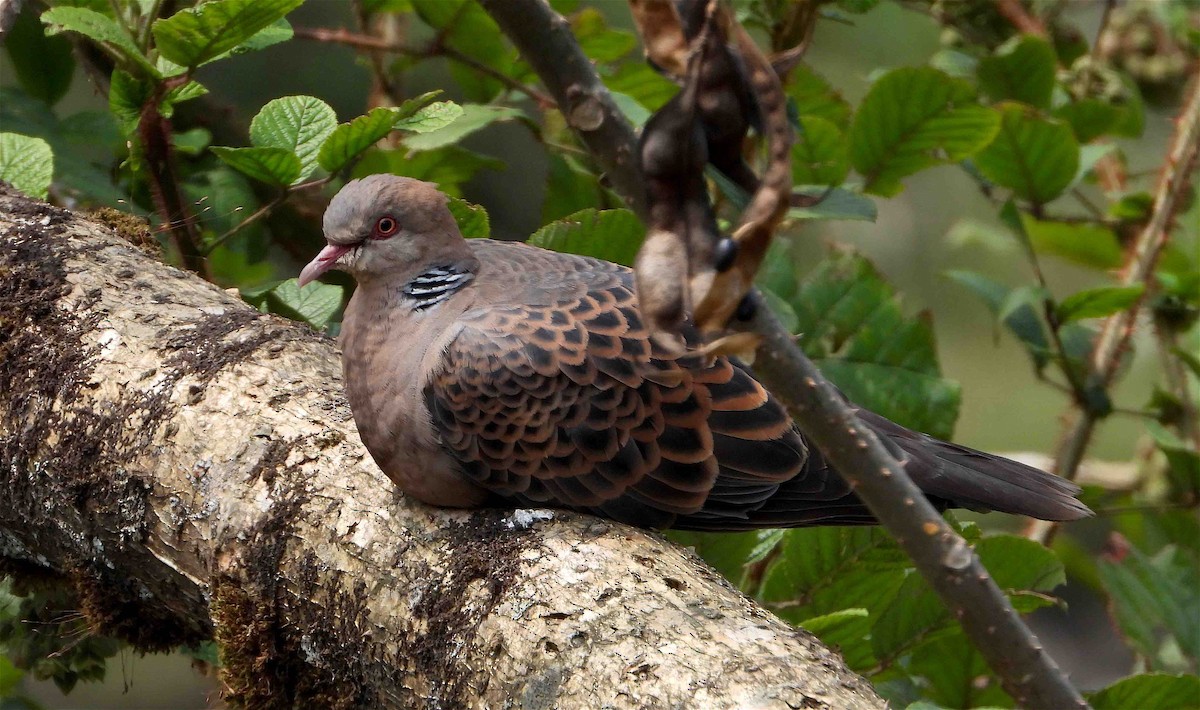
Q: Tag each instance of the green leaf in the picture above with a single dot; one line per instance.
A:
(782, 310)
(818, 571)
(297, 124)
(1022, 69)
(26, 163)
(1033, 156)
(838, 203)
(814, 96)
(848, 631)
(179, 94)
(1098, 302)
(646, 86)
(1085, 243)
(43, 64)
(599, 42)
(570, 187)
(912, 119)
(852, 326)
(956, 676)
(1018, 564)
(99, 28)
(1150, 690)
(1023, 321)
(612, 235)
(471, 118)
(472, 219)
(278, 166)
(728, 553)
(1151, 596)
(819, 153)
(348, 140)
(463, 25)
(83, 145)
(430, 118)
(448, 167)
(314, 304)
(126, 96)
(192, 141)
(1089, 118)
(196, 35)
(910, 617)
(1183, 461)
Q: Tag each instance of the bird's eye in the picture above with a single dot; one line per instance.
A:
(385, 227)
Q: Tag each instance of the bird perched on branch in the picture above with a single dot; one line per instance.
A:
(490, 373)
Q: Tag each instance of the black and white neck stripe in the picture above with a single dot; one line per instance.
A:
(436, 285)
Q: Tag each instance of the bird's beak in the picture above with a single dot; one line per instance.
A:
(322, 263)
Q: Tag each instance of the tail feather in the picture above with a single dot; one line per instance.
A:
(977, 480)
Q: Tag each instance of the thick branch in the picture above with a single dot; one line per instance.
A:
(191, 466)
(942, 557)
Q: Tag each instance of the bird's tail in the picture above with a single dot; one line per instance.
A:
(972, 479)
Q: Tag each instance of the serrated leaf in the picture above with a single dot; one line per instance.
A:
(612, 235)
(277, 166)
(297, 124)
(350, 139)
(912, 119)
(99, 28)
(1098, 302)
(850, 323)
(472, 219)
(196, 35)
(314, 304)
(1084, 243)
(44, 64)
(27, 163)
(430, 118)
(126, 95)
(819, 153)
(1089, 118)
(956, 675)
(848, 631)
(782, 310)
(187, 92)
(448, 167)
(569, 188)
(1149, 690)
(814, 96)
(1035, 157)
(470, 118)
(1022, 69)
(1154, 595)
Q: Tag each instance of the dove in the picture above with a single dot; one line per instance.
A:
(484, 373)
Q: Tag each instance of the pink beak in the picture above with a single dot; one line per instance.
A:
(323, 262)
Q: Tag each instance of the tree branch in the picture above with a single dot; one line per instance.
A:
(942, 557)
(191, 467)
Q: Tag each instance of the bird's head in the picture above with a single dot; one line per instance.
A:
(384, 224)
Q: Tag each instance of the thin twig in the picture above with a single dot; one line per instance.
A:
(1015, 12)
(264, 211)
(1114, 337)
(1027, 672)
(360, 41)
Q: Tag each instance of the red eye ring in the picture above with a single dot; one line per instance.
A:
(385, 227)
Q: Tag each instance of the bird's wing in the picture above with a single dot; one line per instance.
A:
(568, 402)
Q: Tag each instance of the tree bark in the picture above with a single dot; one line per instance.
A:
(191, 467)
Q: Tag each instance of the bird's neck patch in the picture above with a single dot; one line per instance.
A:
(435, 285)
